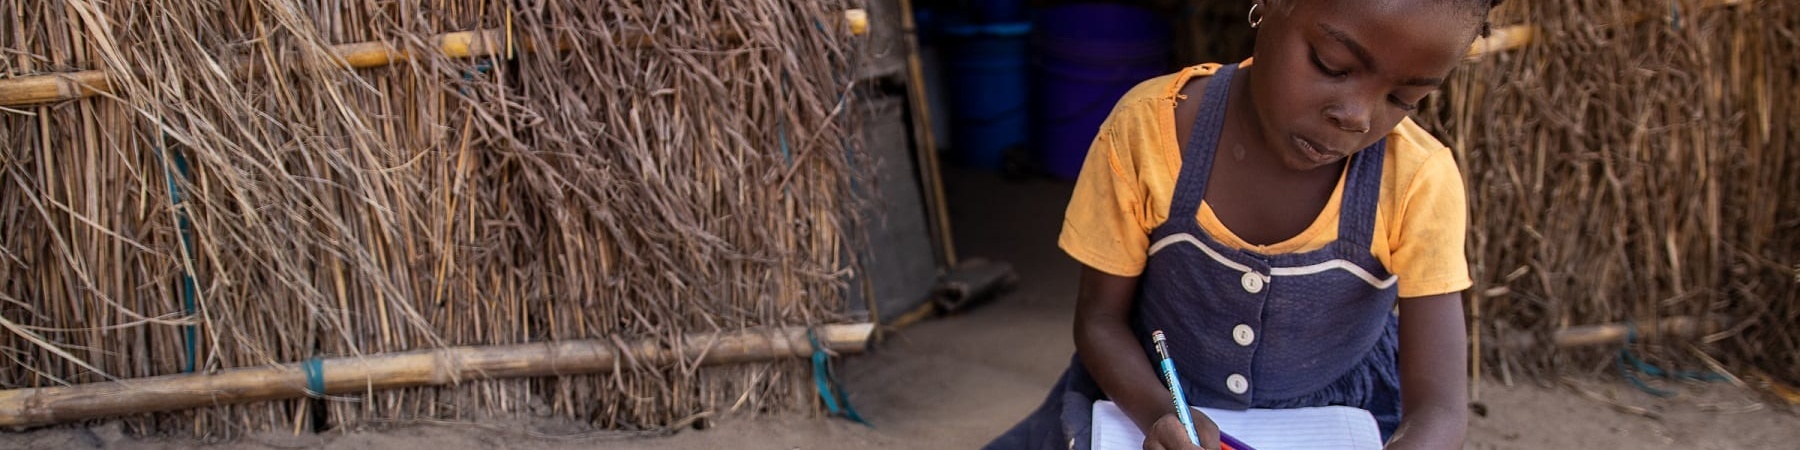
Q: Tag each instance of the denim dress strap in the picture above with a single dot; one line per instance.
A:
(1362, 195)
(1196, 154)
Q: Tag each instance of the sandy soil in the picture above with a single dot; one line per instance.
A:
(956, 382)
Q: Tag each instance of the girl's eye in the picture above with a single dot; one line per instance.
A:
(1320, 64)
(1402, 104)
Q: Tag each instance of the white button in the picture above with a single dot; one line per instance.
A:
(1237, 383)
(1253, 282)
(1243, 335)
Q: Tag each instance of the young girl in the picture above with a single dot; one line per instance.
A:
(1268, 216)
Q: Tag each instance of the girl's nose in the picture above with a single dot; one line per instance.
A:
(1349, 116)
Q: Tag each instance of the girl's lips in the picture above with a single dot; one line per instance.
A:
(1314, 152)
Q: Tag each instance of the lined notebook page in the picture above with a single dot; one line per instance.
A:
(1321, 428)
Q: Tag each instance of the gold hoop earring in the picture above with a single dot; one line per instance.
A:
(1255, 19)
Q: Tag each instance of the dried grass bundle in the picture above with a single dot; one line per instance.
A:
(1630, 170)
(681, 166)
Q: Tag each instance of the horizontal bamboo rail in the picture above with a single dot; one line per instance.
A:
(1503, 39)
(31, 90)
(36, 89)
(1613, 333)
(1518, 36)
(349, 375)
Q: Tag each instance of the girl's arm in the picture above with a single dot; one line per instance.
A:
(1434, 373)
(1110, 352)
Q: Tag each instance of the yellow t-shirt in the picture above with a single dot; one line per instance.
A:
(1128, 180)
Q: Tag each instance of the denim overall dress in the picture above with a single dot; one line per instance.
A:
(1248, 330)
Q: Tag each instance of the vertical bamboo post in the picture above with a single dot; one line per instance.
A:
(936, 209)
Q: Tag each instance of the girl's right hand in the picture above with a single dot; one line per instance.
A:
(1168, 434)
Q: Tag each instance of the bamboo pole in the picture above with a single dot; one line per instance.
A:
(30, 90)
(35, 89)
(1501, 40)
(43, 406)
(49, 88)
(1518, 36)
(936, 208)
(461, 44)
(1613, 333)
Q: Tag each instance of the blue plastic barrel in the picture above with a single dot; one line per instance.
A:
(994, 11)
(1086, 56)
(986, 76)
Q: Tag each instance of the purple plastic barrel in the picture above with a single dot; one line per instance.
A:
(1086, 56)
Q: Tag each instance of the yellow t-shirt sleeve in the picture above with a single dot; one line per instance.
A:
(1428, 253)
(1103, 226)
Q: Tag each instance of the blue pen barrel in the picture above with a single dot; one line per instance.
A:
(1181, 409)
(1168, 370)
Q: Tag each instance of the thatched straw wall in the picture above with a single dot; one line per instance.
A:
(679, 166)
(1636, 162)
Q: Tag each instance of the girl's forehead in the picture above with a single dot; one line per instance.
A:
(1406, 33)
(1457, 17)
(1387, 6)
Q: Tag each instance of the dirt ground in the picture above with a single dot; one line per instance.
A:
(955, 382)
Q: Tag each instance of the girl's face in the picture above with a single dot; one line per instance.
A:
(1333, 76)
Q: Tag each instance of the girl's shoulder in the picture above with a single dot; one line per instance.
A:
(1163, 90)
(1410, 138)
(1142, 122)
(1411, 152)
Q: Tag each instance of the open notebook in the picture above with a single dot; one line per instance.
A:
(1323, 428)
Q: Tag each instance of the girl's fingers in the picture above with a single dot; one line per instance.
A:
(1168, 434)
(1206, 429)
